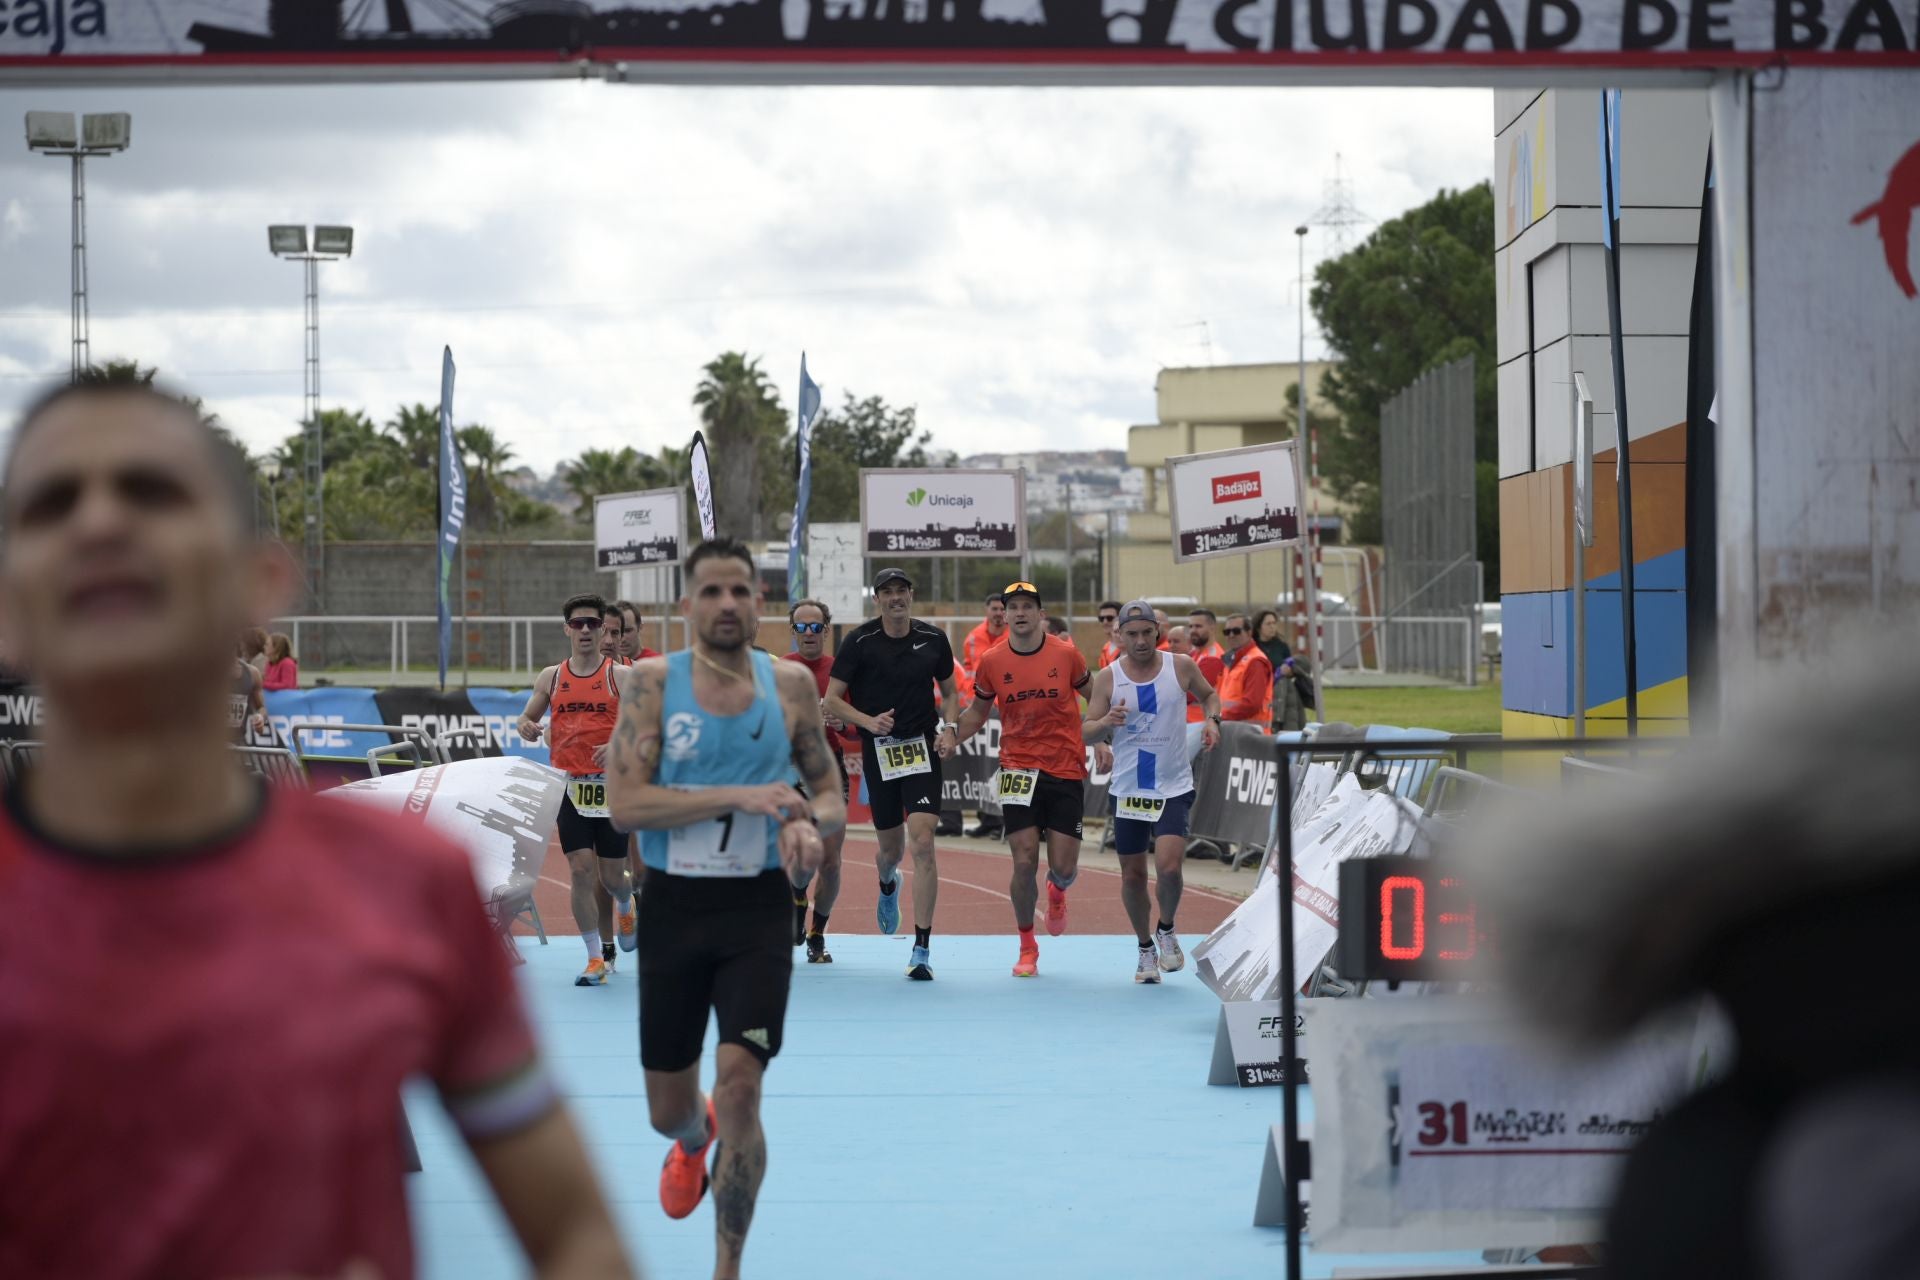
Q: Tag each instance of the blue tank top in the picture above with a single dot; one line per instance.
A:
(700, 749)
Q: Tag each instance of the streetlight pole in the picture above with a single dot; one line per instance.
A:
(60, 133)
(330, 244)
(1312, 576)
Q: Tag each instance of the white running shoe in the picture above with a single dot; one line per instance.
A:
(1149, 968)
(1172, 958)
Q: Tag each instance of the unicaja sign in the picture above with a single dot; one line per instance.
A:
(1236, 488)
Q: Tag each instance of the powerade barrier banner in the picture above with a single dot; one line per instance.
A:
(1234, 787)
(84, 39)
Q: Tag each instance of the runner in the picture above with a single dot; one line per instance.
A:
(985, 635)
(882, 683)
(1036, 679)
(213, 989)
(1140, 701)
(810, 620)
(585, 700)
(706, 742)
(1109, 648)
(613, 630)
(632, 647)
(247, 704)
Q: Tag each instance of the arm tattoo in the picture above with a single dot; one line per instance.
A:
(635, 749)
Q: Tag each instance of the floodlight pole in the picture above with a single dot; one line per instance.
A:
(1310, 548)
(82, 352)
(315, 531)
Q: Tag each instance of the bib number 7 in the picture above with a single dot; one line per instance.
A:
(732, 845)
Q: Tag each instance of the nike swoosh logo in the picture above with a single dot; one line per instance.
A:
(759, 728)
(923, 644)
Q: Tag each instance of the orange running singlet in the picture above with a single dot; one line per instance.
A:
(584, 711)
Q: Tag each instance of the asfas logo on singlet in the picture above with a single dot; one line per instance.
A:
(682, 736)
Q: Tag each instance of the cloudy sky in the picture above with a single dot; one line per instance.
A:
(1018, 263)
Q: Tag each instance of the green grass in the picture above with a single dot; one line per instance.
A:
(1448, 709)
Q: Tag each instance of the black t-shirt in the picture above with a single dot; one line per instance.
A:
(882, 672)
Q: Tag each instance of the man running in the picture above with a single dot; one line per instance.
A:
(986, 634)
(1141, 702)
(1109, 616)
(585, 701)
(247, 703)
(700, 762)
(632, 647)
(214, 989)
(810, 620)
(882, 684)
(613, 629)
(1035, 678)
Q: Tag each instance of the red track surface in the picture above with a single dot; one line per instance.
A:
(973, 895)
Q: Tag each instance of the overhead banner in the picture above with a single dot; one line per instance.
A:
(925, 511)
(1234, 500)
(89, 39)
(639, 530)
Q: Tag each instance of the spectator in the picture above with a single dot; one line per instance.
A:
(1177, 641)
(1160, 616)
(1246, 691)
(1058, 627)
(283, 671)
(253, 649)
(1292, 690)
(1200, 624)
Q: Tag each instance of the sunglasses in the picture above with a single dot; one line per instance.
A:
(1233, 631)
(583, 624)
(1109, 617)
(1027, 587)
(808, 628)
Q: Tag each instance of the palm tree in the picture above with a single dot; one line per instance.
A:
(598, 471)
(487, 457)
(416, 429)
(739, 410)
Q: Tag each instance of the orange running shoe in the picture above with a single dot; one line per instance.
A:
(594, 975)
(1056, 909)
(683, 1178)
(1028, 966)
(624, 923)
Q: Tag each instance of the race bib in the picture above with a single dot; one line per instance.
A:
(732, 845)
(589, 795)
(1140, 808)
(900, 757)
(236, 710)
(1016, 785)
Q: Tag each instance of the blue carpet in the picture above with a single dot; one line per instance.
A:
(977, 1124)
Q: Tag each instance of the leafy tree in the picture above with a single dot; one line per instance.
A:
(598, 471)
(486, 460)
(1416, 294)
(862, 432)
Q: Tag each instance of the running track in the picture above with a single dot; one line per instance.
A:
(973, 895)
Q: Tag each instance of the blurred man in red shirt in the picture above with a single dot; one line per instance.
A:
(1246, 690)
(213, 991)
(810, 620)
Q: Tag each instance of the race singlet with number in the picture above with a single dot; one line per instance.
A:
(1016, 786)
(732, 845)
(1140, 808)
(237, 711)
(900, 757)
(589, 795)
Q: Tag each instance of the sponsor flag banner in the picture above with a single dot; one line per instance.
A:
(499, 810)
(768, 40)
(922, 511)
(702, 471)
(803, 483)
(453, 505)
(646, 530)
(1234, 500)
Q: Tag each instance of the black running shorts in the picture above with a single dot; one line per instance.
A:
(713, 944)
(1059, 804)
(578, 832)
(893, 801)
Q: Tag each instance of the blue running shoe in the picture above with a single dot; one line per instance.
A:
(888, 912)
(919, 968)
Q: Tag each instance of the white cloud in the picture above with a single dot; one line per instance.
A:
(1019, 263)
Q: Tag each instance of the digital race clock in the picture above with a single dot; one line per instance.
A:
(1408, 919)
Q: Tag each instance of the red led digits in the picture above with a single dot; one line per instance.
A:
(1462, 918)
(1388, 947)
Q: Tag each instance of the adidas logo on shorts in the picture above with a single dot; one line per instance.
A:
(756, 1036)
